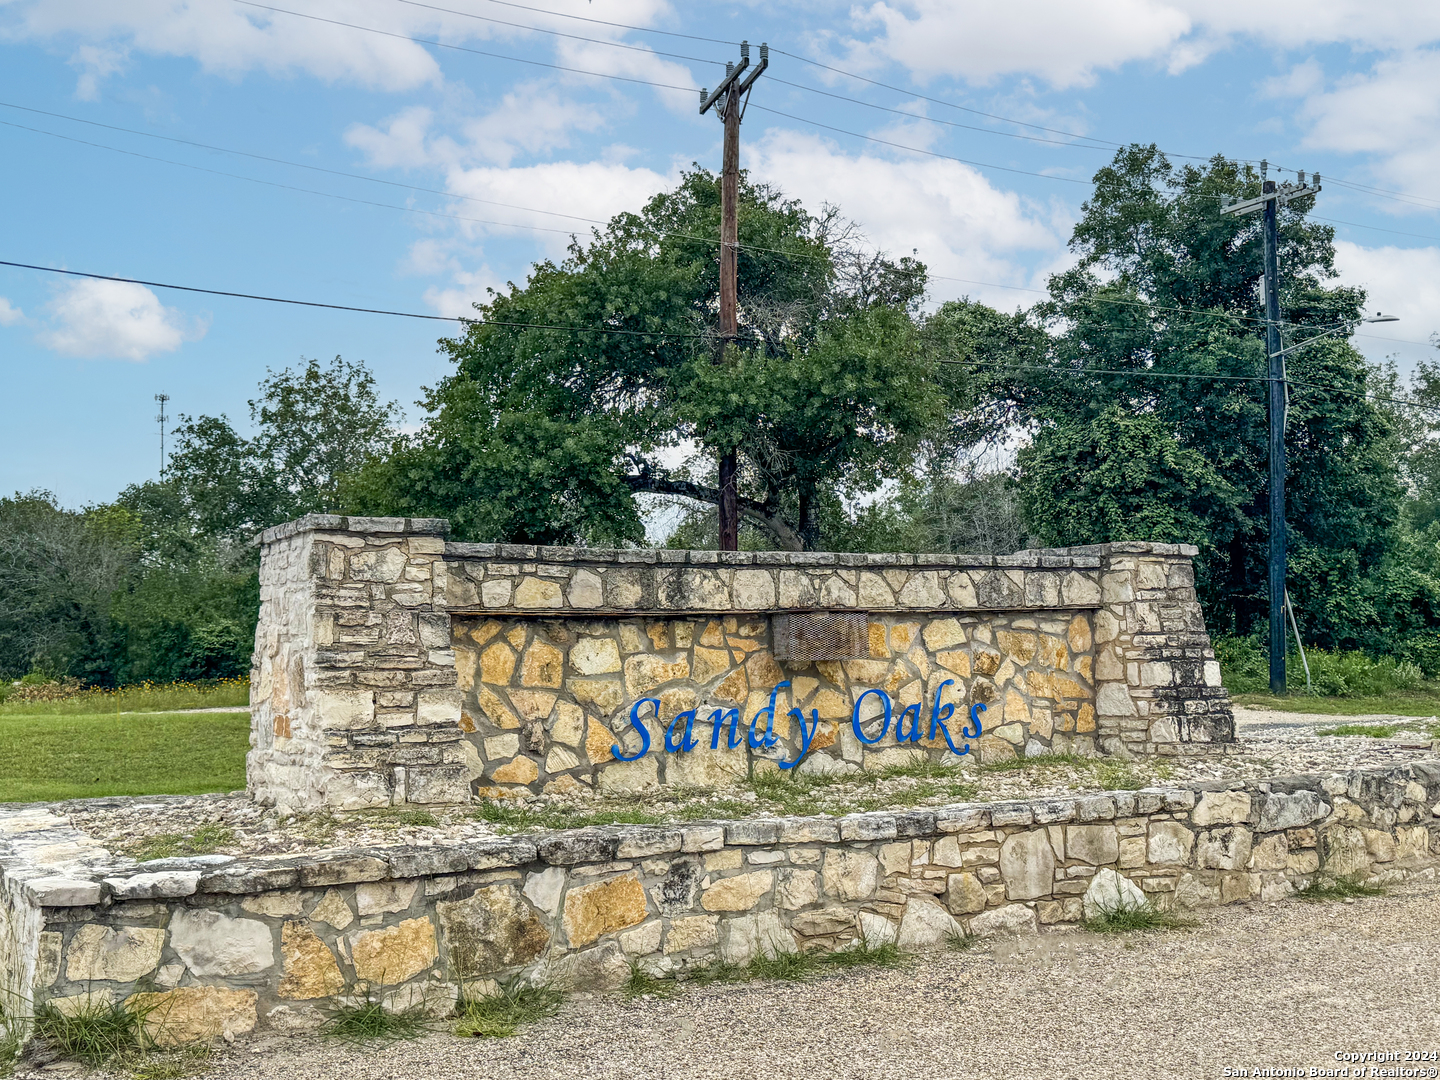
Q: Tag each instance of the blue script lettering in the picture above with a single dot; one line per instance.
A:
(719, 720)
(769, 739)
(807, 732)
(855, 716)
(687, 740)
(638, 726)
(938, 716)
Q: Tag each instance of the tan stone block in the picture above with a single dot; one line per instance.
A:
(605, 695)
(384, 897)
(569, 725)
(1063, 687)
(1170, 843)
(603, 908)
(532, 704)
(536, 592)
(659, 635)
(1084, 667)
(919, 660)
(831, 706)
(1051, 653)
(724, 859)
(1096, 845)
(630, 777)
(986, 661)
(849, 874)
(544, 665)
(825, 735)
(1016, 710)
(902, 636)
(1037, 685)
(994, 750)
(467, 662)
(121, 954)
(876, 632)
(480, 633)
(763, 670)
(1085, 719)
(1042, 724)
(333, 910)
(797, 889)
(586, 590)
(1132, 852)
(394, 954)
(867, 672)
(595, 656)
(495, 711)
(598, 741)
(676, 700)
(895, 858)
(943, 634)
(955, 660)
(491, 930)
(709, 663)
(964, 895)
(645, 671)
(497, 664)
(1221, 808)
(733, 688)
(1018, 645)
(310, 970)
(521, 770)
(713, 635)
(692, 932)
(194, 1015)
(1027, 865)
(739, 893)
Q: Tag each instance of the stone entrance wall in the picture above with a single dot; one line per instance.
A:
(392, 667)
(227, 944)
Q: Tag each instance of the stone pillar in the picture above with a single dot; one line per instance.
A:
(1157, 682)
(354, 702)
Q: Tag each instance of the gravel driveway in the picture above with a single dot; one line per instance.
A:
(1270, 985)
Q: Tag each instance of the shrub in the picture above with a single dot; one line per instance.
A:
(1245, 665)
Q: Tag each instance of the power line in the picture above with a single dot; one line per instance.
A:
(559, 33)
(465, 49)
(916, 149)
(1126, 373)
(363, 310)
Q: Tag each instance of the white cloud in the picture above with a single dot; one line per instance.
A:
(9, 313)
(1397, 281)
(1067, 43)
(595, 190)
(531, 118)
(115, 319)
(96, 63)
(1393, 112)
(962, 226)
(470, 287)
(232, 39)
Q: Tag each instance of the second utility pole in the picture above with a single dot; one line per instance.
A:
(731, 95)
(1272, 197)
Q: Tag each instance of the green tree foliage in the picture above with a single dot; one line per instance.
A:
(547, 434)
(1166, 284)
(313, 426)
(162, 583)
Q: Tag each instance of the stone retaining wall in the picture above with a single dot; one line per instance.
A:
(392, 667)
(224, 944)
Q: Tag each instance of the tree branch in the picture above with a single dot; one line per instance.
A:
(786, 536)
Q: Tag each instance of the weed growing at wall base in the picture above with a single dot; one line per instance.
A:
(501, 1014)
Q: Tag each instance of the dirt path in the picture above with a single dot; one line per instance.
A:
(1283, 985)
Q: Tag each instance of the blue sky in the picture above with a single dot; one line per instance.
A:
(1343, 87)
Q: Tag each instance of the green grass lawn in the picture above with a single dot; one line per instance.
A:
(1401, 703)
(68, 757)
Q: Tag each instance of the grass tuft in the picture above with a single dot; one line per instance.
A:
(368, 1020)
(1374, 731)
(501, 1014)
(172, 1066)
(1337, 888)
(202, 841)
(961, 940)
(1127, 918)
(640, 983)
(95, 1032)
(863, 954)
(784, 966)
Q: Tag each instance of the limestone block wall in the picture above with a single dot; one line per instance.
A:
(224, 944)
(392, 667)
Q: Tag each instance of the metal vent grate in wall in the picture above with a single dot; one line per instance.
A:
(803, 637)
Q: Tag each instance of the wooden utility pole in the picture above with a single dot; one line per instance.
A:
(729, 100)
(1272, 197)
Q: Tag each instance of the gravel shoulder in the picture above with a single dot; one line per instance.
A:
(1279, 985)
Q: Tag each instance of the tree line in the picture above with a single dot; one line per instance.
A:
(1126, 405)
